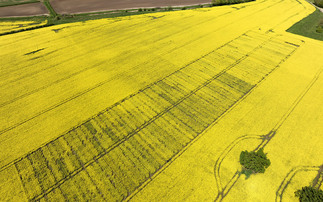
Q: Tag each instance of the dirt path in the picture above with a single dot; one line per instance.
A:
(82, 6)
(31, 9)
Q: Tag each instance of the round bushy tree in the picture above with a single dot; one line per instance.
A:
(254, 162)
(309, 194)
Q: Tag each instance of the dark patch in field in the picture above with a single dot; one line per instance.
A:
(33, 52)
(154, 17)
(291, 44)
(57, 30)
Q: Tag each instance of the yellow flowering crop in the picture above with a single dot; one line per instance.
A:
(7, 26)
(159, 106)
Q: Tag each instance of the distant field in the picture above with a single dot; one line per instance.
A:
(148, 107)
(81, 6)
(15, 2)
(30, 9)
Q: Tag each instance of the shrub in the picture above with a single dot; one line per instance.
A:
(319, 3)
(220, 2)
(140, 10)
(246, 172)
(309, 194)
(228, 2)
(254, 162)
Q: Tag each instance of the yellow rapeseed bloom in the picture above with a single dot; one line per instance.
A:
(159, 106)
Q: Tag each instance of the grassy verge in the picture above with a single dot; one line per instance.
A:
(49, 7)
(311, 26)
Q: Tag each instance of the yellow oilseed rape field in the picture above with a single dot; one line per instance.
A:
(8, 26)
(158, 107)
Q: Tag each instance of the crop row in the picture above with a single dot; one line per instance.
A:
(112, 154)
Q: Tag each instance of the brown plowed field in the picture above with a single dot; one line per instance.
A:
(23, 10)
(81, 6)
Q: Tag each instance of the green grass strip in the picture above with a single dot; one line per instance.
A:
(311, 26)
(50, 9)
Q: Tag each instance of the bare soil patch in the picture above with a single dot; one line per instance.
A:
(15, 2)
(83, 6)
(31, 9)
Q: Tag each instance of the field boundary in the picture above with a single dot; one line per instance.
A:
(55, 18)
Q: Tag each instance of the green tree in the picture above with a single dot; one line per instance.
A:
(254, 162)
(309, 194)
(319, 3)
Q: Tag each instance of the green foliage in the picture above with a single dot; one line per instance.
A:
(140, 10)
(254, 162)
(228, 2)
(246, 172)
(319, 3)
(309, 194)
(319, 29)
(50, 8)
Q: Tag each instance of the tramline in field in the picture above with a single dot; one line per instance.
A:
(139, 135)
(141, 107)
